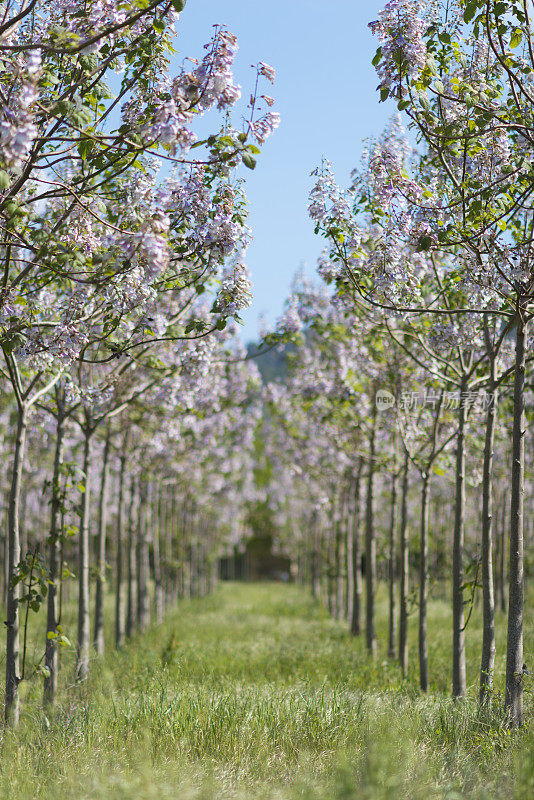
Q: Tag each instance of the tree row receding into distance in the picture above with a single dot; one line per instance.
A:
(140, 443)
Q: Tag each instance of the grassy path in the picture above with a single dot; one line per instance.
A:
(255, 693)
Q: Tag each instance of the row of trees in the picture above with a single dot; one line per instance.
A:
(430, 256)
(369, 431)
(406, 365)
(122, 259)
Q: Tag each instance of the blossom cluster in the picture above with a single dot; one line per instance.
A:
(399, 28)
(235, 293)
(18, 130)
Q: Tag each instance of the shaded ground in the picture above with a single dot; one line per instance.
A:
(255, 693)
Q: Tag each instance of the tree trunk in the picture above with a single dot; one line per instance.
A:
(4, 560)
(11, 709)
(392, 569)
(338, 560)
(315, 575)
(488, 636)
(156, 524)
(514, 642)
(331, 538)
(404, 572)
(169, 517)
(370, 545)
(132, 561)
(144, 563)
(98, 636)
(423, 587)
(458, 622)
(54, 561)
(502, 565)
(356, 618)
(82, 654)
(349, 521)
(119, 588)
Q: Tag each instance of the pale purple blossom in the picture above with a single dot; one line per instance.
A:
(265, 126)
(267, 71)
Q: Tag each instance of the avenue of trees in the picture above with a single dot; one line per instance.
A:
(431, 251)
(122, 272)
(139, 440)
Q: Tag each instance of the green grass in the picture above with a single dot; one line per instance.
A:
(255, 693)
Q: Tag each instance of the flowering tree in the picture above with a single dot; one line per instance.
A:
(459, 213)
(91, 238)
(463, 79)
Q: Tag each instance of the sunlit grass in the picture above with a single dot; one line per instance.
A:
(255, 693)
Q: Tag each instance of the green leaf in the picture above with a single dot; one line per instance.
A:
(424, 243)
(516, 37)
(4, 180)
(424, 101)
(249, 161)
(14, 341)
(178, 5)
(470, 11)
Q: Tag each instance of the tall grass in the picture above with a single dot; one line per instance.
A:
(256, 693)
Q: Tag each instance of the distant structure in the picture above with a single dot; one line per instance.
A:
(257, 562)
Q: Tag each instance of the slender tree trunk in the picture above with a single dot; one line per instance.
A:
(144, 563)
(315, 566)
(191, 577)
(22, 524)
(502, 566)
(132, 561)
(458, 622)
(4, 560)
(404, 571)
(324, 549)
(98, 636)
(370, 545)
(181, 585)
(497, 558)
(331, 534)
(392, 645)
(11, 711)
(338, 560)
(119, 585)
(349, 521)
(356, 619)
(514, 642)
(54, 561)
(138, 537)
(82, 655)
(488, 637)
(423, 586)
(168, 521)
(158, 582)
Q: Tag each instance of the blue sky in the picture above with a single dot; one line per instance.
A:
(325, 91)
